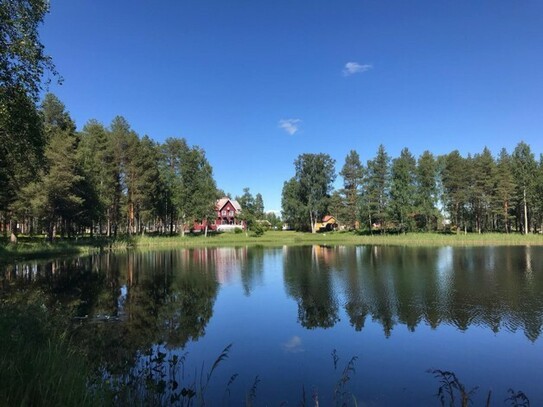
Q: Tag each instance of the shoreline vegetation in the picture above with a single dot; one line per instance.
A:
(39, 247)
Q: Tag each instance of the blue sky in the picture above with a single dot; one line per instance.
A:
(256, 83)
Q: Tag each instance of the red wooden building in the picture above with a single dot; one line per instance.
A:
(227, 211)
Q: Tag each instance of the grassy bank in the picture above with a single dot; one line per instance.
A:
(274, 238)
(37, 247)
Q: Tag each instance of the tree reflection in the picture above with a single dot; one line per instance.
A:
(169, 299)
(252, 268)
(494, 287)
(308, 280)
(124, 304)
(135, 300)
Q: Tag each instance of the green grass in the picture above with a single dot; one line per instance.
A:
(275, 238)
(38, 364)
(37, 247)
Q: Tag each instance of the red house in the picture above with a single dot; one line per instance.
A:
(227, 211)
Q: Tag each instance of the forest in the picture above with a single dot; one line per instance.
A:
(104, 180)
(450, 192)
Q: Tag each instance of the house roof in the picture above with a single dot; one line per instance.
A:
(223, 201)
(328, 218)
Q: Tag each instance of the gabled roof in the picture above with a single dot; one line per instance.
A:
(223, 201)
(328, 218)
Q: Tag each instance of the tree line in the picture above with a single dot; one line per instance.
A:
(473, 193)
(106, 180)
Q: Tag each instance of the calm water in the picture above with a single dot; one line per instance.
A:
(400, 311)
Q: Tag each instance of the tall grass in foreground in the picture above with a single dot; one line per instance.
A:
(38, 365)
(451, 392)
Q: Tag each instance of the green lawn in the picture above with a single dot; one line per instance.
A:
(37, 247)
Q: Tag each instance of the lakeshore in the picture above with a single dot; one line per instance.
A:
(37, 247)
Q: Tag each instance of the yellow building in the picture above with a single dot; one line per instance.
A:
(328, 223)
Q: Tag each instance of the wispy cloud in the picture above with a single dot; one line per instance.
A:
(291, 126)
(354, 67)
(293, 345)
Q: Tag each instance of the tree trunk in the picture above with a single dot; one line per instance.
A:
(13, 231)
(525, 212)
(313, 222)
(108, 233)
(505, 216)
(130, 218)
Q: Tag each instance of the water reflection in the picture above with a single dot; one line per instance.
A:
(494, 287)
(168, 296)
(308, 279)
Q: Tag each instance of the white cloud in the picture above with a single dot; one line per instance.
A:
(354, 67)
(293, 345)
(291, 126)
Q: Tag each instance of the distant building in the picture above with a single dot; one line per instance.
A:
(227, 211)
(328, 223)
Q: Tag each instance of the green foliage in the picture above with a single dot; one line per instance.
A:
(524, 166)
(293, 208)
(275, 221)
(38, 363)
(259, 207)
(188, 179)
(426, 192)
(353, 177)
(22, 146)
(402, 191)
(455, 186)
(54, 115)
(22, 65)
(257, 229)
(306, 196)
(375, 198)
(504, 191)
(22, 58)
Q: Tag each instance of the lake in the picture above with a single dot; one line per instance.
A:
(308, 322)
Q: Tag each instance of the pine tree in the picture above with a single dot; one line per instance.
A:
(524, 169)
(504, 190)
(174, 152)
(353, 175)
(427, 191)
(146, 185)
(21, 150)
(59, 194)
(455, 180)
(376, 196)
(203, 190)
(98, 162)
(259, 206)
(402, 190)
